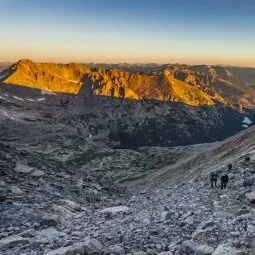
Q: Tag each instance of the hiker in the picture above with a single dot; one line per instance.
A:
(224, 180)
(214, 177)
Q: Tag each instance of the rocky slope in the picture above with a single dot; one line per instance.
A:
(50, 207)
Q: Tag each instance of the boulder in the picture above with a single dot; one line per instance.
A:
(49, 220)
(226, 250)
(46, 235)
(15, 190)
(166, 215)
(249, 182)
(192, 247)
(251, 197)
(59, 251)
(115, 210)
(116, 250)
(12, 241)
(37, 173)
(89, 246)
(28, 233)
(92, 246)
(24, 169)
(71, 204)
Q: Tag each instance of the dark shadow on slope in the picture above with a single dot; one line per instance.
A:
(128, 123)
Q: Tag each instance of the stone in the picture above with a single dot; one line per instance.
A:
(47, 235)
(49, 220)
(37, 173)
(64, 212)
(24, 169)
(116, 250)
(89, 246)
(251, 229)
(59, 251)
(251, 197)
(92, 245)
(71, 204)
(15, 190)
(165, 253)
(166, 215)
(192, 247)
(12, 241)
(28, 233)
(205, 249)
(115, 210)
(226, 250)
(249, 182)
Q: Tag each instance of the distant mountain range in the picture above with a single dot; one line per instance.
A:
(192, 85)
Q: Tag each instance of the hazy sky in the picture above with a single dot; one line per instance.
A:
(163, 31)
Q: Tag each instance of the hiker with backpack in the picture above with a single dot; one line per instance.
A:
(224, 178)
(214, 178)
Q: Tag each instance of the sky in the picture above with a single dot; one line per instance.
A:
(132, 31)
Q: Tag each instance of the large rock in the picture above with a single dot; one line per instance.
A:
(92, 246)
(115, 210)
(59, 251)
(116, 250)
(166, 215)
(24, 169)
(251, 197)
(226, 250)
(89, 246)
(192, 247)
(15, 190)
(49, 220)
(12, 241)
(46, 235)
(71, 204)
(37, 173)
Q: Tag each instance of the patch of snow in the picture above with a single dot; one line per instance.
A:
(245, 126)
(247, 121)
(40, 99)
(18, 98)
(5, 99)
(43, 92)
